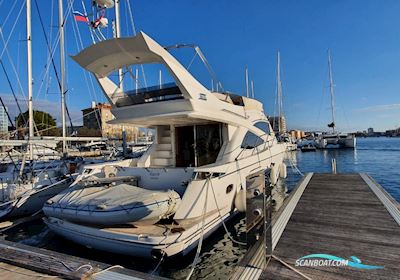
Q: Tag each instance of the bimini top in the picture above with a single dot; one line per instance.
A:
(107, 56)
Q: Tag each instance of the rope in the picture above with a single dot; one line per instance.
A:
(131, 18)
(163, 254)
(12, 30)
(85, 265)
(291, 267)
(159, 263)
(222, 220)
(294, 166)
(134, 34)
(79, 46)
(201, 234)
(9, 13)
(107, 269)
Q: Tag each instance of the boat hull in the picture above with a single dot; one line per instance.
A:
(33, 201)
(136, 244)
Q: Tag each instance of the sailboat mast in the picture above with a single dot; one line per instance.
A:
(118, 35)
(279, 90)
(62, 66)
(331, 85)
(29, 62)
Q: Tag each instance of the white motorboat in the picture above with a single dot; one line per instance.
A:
(205, 145)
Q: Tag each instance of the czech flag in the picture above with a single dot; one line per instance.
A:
(80, 17)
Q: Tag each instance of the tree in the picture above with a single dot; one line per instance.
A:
(44, 123)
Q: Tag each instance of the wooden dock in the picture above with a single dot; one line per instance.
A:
(342, 215)
(19, 261)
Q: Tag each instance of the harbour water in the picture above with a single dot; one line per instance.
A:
(378, 157)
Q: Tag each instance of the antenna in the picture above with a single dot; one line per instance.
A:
(247, 81)
(137, 80)
(252, 89)
(118, 35)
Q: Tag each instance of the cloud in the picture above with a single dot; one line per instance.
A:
(51, 107)
(380, 108)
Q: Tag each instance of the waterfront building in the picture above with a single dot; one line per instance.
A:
(278, 124)
(95, 123)
(370, 131)
(3, 121)
(297, 134)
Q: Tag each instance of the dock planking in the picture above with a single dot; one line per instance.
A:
(339, 214)
(11, 272)
(18, 261)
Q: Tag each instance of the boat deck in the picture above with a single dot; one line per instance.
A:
(342, 215)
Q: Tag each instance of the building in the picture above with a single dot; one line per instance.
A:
(297, 134)
(370, 131)
(95, 123)
(278, 124)
(3, 121)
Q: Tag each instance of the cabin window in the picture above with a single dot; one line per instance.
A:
(264, 126)
(251, 141)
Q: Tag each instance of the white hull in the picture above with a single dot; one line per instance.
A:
(132, 244)
(336, 142)
(144, 241)
(33, 200)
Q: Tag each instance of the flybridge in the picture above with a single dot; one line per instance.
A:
(186, 101)
(108, 56)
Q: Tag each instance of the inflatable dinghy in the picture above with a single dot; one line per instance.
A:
(111, 205)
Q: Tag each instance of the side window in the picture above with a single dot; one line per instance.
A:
(264, 126)
(251, 141)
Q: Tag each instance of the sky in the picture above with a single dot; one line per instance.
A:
(363, 36)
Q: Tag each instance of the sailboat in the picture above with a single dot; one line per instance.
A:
(190, 180)
(334, 139)
(279, 122)
(27, 185)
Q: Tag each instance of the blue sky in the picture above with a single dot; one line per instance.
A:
(364, 37)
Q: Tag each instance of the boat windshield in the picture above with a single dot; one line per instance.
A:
(150, 94)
